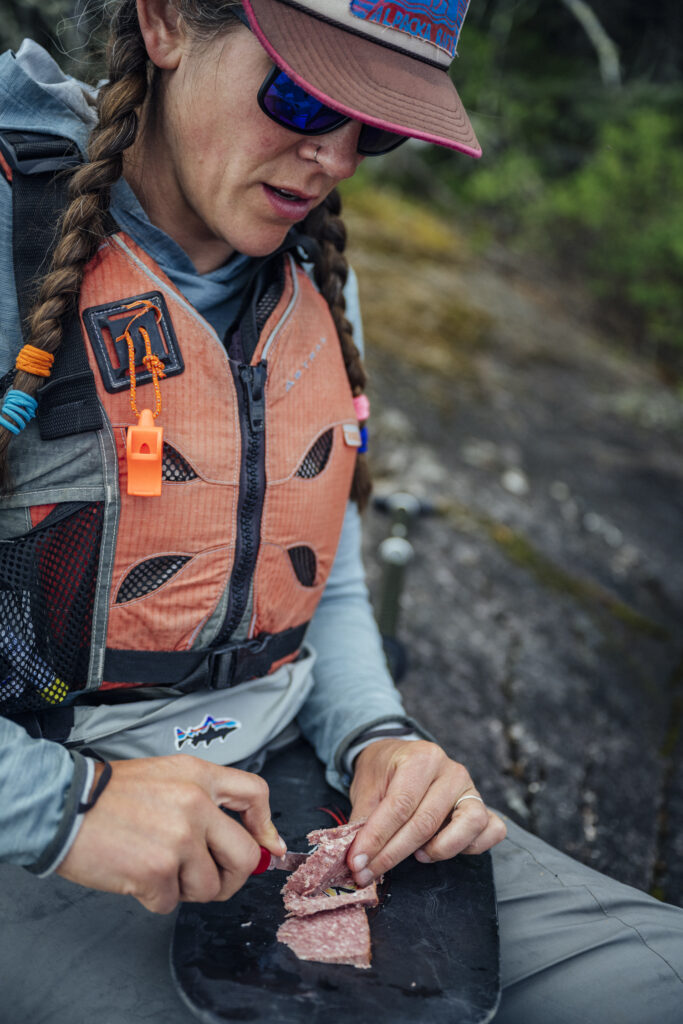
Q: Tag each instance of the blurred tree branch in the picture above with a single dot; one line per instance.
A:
(605, 47)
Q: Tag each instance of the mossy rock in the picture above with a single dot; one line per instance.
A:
(384, 221)
(406, 260)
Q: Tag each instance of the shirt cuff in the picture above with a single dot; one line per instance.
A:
(342, 773)
(53, 855)
(388, 731)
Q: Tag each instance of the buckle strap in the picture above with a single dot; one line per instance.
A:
(34, 153)
(216, 668)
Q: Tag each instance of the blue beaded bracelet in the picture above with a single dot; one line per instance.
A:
(21, 407)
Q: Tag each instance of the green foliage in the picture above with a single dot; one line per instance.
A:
(622, 212)
(588, 175)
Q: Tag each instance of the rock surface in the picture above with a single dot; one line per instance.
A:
(541, 612)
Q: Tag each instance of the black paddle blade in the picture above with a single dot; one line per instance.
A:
(434, 936)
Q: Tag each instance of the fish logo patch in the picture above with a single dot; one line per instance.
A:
(211, 729)
(436, 21)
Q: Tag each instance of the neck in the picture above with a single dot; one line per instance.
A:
(149, 170)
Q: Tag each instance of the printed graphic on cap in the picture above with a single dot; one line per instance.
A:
(436, 21)
(211, 729)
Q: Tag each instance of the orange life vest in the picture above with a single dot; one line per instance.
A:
(215, 580)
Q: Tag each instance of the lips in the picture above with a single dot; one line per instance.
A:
(291, 193)
(289, 204)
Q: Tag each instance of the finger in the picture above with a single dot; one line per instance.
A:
(249, 795)
(494, 833)
(402, 798)
(200, 878)
(365, 804)
(157, 887)
(464, 830)
(235, 854)
(410, 831)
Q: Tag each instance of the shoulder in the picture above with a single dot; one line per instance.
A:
(35, 95)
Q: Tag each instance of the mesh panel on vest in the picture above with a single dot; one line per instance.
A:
(47, 590)
(266, 304)
(304, 563)
(174, 467)
(149, 576)
(316, 457)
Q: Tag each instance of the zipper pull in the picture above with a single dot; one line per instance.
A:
(254, 381)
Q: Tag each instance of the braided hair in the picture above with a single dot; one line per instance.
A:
(330, 271)
(130, 77)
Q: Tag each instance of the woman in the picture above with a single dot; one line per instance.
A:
(218, 168)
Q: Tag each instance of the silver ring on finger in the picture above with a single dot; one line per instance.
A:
(468, 796)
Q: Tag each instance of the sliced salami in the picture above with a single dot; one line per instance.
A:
(327, 836)
(339, 936)
(326, 863)
(335, 895)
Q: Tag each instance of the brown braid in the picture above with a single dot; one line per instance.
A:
(83, 224)
(330, 270)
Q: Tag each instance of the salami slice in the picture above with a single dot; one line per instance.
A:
(326, 836)
(335, 895)
(326, 863)
(340, 936)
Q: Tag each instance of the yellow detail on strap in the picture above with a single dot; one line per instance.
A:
(55, 692)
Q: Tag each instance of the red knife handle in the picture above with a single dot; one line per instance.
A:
(263, 863)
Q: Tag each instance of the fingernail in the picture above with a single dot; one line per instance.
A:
(423, 857)
(364, 878)
(360, 861)
(277, 839)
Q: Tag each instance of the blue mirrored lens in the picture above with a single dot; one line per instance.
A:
(293, 107)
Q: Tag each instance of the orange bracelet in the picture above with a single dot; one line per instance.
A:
(35, 361)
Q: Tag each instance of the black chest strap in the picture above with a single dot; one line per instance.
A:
(68, 402)
(216, 668)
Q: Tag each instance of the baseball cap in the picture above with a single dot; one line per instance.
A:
(385, 63)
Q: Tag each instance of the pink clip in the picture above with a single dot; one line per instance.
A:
(362, 406)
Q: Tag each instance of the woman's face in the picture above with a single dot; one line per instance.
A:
(211, 168)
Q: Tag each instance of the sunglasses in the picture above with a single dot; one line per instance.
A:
(292, 107)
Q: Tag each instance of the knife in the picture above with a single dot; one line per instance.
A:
(288, 862)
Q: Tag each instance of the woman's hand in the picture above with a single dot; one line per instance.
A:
(158, 833)
(408, 790)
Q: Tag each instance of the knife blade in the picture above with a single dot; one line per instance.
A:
(288, 862)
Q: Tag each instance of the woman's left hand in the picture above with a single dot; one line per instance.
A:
(408, 790)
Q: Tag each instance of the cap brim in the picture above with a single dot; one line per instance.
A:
(363, 79)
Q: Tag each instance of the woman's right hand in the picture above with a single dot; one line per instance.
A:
(158, 833)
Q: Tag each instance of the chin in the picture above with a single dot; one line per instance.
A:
(260, 238)
(262, 247)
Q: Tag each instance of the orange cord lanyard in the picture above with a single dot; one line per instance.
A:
(144, 441)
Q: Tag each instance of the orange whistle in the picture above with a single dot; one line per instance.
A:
(144, 448)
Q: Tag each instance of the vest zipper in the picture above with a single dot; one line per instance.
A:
(250, 387)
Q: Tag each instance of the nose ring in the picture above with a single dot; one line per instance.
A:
(315, 155)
